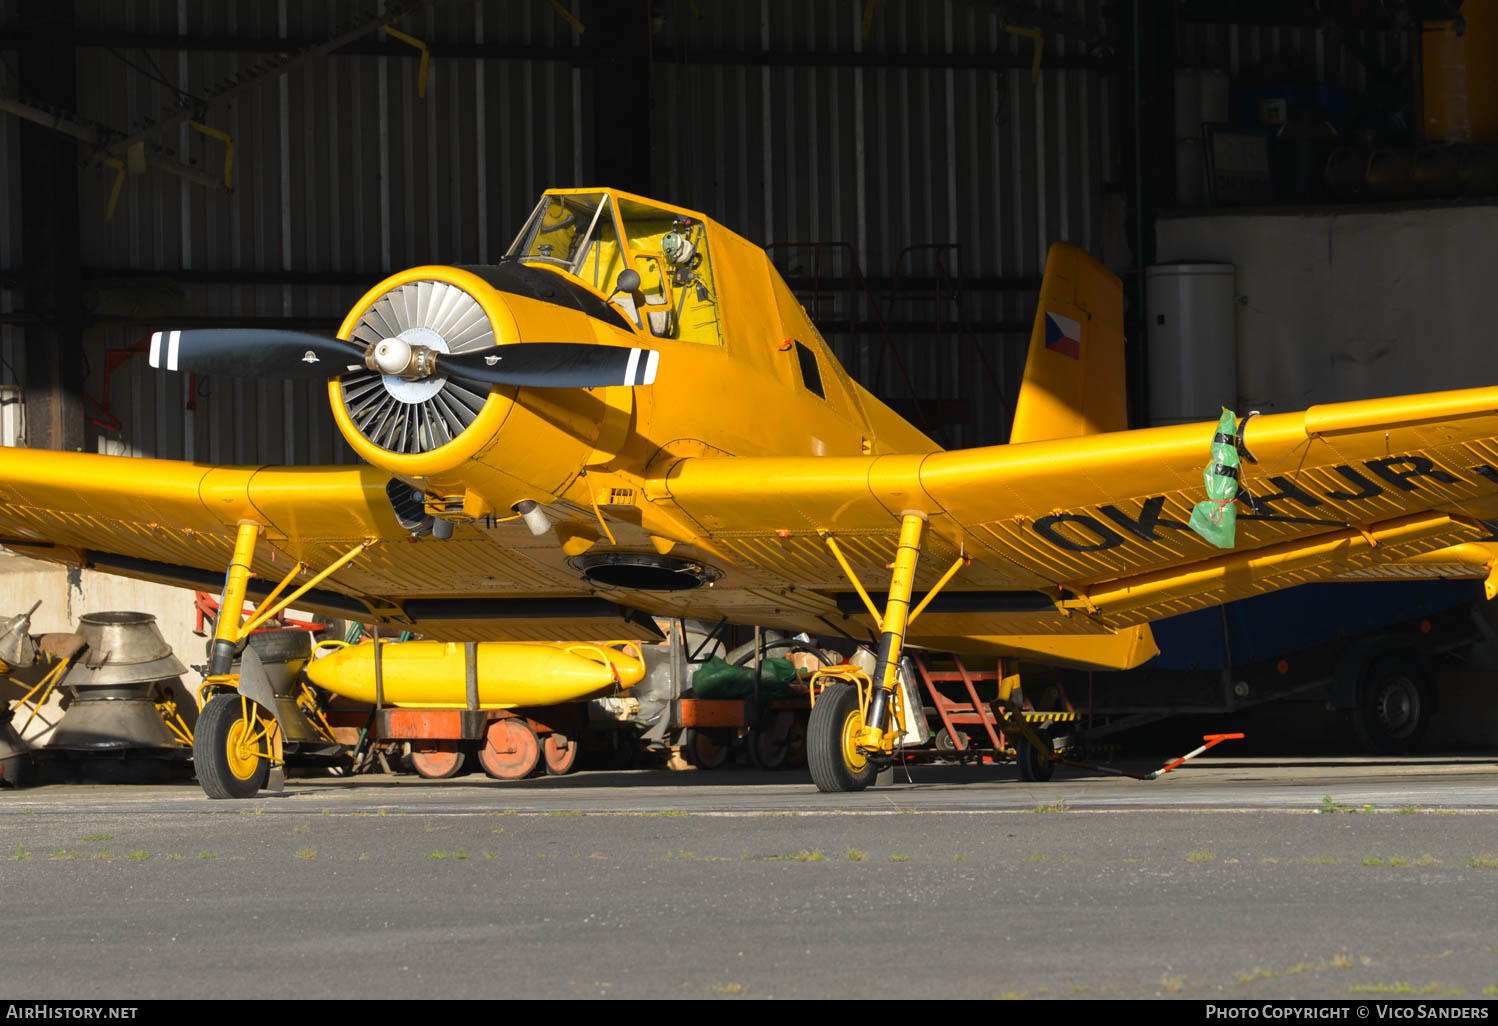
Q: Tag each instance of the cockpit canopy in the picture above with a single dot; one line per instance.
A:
(597, 235)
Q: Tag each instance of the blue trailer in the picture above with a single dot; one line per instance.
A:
(1368, 648)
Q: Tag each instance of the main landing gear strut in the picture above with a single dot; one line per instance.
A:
(239, 738)
(857, 717)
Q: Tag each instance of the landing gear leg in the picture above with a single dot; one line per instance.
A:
(238, 738)
(854, 724)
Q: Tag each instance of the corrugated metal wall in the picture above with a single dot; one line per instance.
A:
(854, 147)
(11, 353)
(1313, 54)
(906, 136)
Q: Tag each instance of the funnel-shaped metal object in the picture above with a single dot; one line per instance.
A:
(114, 686)
(17, 650)
(15, 754)
(123, 648)
(102, 719)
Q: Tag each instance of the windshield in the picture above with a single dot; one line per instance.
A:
(594, 236)
(578, 233)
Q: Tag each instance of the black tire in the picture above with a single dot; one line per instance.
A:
(1394, 706)
(1035, 766)
(280, 646)
(273, 646)
(220, 774)
(834, 716)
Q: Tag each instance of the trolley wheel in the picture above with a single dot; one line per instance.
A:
(945, 742)
(560, 753)
(1035, 766)
(772, 740)
(1393, 708)
(226, 748)
(434, 759)
(703, 750)
(835, 761)
(510, 749)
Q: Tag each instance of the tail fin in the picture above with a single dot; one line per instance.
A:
(1074, 373)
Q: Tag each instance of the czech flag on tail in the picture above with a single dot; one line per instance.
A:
(1063, 335)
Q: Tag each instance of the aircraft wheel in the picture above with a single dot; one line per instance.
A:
(1035, 766)
(226, 748)
(510, 749)
(560, 754)
(835, 761)
(703, 750)
(435, 759)
(1394, 707)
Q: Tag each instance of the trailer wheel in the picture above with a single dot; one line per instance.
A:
(510, 749)
(559, 753)
(835, 761)
(1035, 766)
(774, 740)
(708, 750)
(436, 759)
(1393, 709)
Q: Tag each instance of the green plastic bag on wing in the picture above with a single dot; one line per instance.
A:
(1216, 519)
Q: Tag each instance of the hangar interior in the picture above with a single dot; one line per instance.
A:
(261, 163)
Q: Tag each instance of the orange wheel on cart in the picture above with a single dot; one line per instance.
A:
(560, 753)
(510, 750)
(435, 759)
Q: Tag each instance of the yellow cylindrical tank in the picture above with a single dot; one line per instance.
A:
(433, 674)
(1458, 81)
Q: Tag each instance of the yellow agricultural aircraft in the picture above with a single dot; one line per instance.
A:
(631, 416)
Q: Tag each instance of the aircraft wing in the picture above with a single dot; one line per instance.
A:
(174, 522)
(1089, 534)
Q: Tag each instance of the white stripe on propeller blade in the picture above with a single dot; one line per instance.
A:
(629, 368)
(650, 364)
(172, 342)
(155, 349)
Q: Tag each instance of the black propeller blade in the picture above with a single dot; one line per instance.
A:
(553, 365)
(279, 355)
(255, 353)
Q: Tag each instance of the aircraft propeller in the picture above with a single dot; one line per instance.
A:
(272, 353)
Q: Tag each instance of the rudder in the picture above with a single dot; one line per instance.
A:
(1074, 372)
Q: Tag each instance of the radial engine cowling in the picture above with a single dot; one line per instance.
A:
(508, 443)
